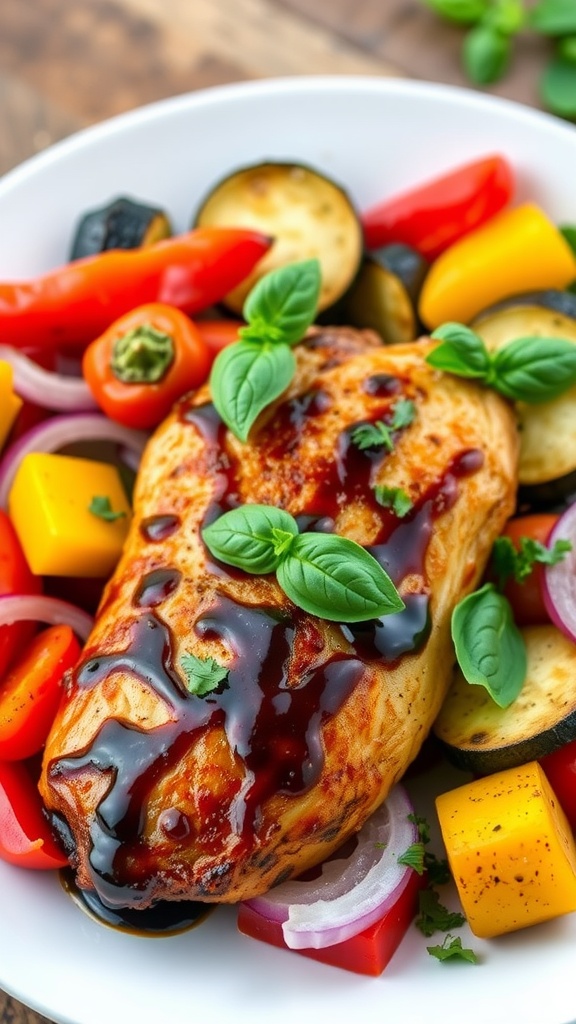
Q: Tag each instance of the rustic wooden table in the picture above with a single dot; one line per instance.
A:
(64, 65)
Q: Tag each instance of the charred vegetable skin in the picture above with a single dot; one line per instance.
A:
(121, 224)
(173, 795)
(73, 304)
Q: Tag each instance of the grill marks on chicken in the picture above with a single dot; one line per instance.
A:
(172, 795)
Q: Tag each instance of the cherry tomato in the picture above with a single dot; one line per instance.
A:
(144, 362)
(15, 578)
(25, 836)
(526, 597)
(30, 693)
(366, 953)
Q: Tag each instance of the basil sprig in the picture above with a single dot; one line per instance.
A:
(324, 574)
(249, 374)
(489, 646)
(529, 370)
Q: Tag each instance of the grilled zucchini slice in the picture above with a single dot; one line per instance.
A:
(306, 213)
(479, 736)
(123, 223)
(384, 295)
(547, 430)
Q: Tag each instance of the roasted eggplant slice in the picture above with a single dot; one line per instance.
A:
(547, 430)
(479, 736)
(306, 213)
(121, 224)
(385, 293)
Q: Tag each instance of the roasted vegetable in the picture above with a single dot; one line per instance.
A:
(510, 850)
(305, 212)
(385, 293)
(547, 469)
(482, 737)
(121, 224)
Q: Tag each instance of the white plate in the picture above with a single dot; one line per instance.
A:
(375, 136)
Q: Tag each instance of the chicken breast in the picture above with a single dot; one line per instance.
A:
(169, 795)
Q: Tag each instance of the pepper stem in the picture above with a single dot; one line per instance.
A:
(142, 356)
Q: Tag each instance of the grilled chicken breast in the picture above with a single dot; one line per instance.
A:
(170, 795)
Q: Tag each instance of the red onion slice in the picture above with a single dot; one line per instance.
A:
(39, 608)
(59, 431)
(47, 389)
(559, 581)
(352, 892)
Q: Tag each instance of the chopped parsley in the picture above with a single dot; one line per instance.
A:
(434, 916)
(202, 674)
(393, 498)
(379, 433)
(514, 563)
(101, 506)
(452, 949)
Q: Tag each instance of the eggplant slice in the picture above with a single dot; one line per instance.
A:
(123, 223)
(306, 213)
(384, 294)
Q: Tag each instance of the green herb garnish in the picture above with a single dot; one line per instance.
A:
(394, 498)
(489, 646)
(452, 949)
(101, 506)
(379, 434)
(529, 370)
(202, 674)
(514, 563)
(324, 574)
(433, 916)
(423, 860)
(249, 374)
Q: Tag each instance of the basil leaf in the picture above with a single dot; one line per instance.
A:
(246, 377)
(486, 54)
(554, 17)
(283, 303)
(534, 369)
(506, 16)
(558, 87)
(202, 674)
(337, 579)
(463, 352)
(251, 537)
(489, 646)
(463, 12)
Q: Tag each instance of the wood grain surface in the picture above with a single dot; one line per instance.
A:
(65, 64)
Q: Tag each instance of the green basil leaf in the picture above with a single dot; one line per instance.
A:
(337, 579)
(554, 17)
(558, 87)
(463, 352)
(489, 646)
(568, 231)
(246, 377)
(202, 674)
(463, 12)
(566, 48)
(251, 537)
(282, 304)
(486, 54)
(534, 369)
(506, 16)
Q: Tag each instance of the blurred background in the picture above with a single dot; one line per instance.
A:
(65, 64)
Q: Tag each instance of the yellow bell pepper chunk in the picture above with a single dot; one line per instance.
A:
(49, 504)
(515, 251)
(510, 850)
(10, 404)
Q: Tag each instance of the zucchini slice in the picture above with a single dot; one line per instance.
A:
(385, 293)
(547, 430)
(481, 737)
(305, 212)
(121, 224)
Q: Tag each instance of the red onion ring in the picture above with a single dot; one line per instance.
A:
(559, 581)
(39, 608)
(47, 389)
(351, 893)
(53, 434)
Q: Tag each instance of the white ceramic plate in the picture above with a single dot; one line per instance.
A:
(375, 136)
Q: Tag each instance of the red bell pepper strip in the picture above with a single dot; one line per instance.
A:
(30, 693)
(143, 362)
(15, 578)
(366, 953)
(560, 770)
(217, 334)
(432, 216)
(25, 836)
(75, 303)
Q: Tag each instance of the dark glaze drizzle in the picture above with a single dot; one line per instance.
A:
(274, 728)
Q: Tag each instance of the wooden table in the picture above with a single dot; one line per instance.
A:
(65, 64)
